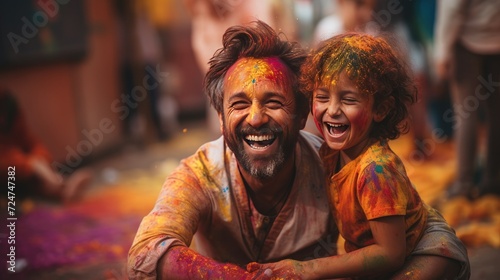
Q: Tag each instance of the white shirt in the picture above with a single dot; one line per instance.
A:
(474, 23)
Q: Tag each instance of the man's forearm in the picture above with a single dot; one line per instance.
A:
(180, 262)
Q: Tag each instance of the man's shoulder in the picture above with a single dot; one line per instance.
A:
(209, 153)
(307, 138)
(207, 164)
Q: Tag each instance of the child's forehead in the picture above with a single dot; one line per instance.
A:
(335, 79)
(343, 80)
(330, 75)
(328, 79)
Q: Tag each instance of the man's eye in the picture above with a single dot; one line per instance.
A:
(239, 105)
(274, 104)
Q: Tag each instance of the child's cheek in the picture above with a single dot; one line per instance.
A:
(362, 120)
(316, 113)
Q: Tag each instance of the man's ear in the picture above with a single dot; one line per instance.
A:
(383, 109)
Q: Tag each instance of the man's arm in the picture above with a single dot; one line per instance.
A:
(161, 247)
(181, 262)
(176, 216)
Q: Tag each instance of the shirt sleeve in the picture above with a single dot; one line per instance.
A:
(380, 191)
(172, 222)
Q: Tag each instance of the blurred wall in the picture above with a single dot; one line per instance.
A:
(60, 99)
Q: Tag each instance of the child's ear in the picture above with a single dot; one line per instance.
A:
(383, 109)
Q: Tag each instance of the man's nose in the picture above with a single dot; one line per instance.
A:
(257, 116)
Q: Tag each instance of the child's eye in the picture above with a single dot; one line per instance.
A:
(321, 98)
(350, 100)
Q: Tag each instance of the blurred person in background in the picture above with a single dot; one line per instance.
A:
(468, 54)
(34, 174)
(348, 15)
(141, 55)
(150, 56)
(211, 18)
(414, 24)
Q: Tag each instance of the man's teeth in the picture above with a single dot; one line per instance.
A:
(258, 137)
(259, 141)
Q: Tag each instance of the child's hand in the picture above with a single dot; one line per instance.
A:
(285, 269)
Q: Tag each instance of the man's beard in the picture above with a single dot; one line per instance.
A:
(273, 163)
(270, 169)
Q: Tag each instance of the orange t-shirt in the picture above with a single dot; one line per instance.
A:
(371, 186)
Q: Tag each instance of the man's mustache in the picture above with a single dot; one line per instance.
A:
(263, 130)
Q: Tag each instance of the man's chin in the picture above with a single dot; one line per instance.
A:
(262, 166)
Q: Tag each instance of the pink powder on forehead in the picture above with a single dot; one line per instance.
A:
(259, 69)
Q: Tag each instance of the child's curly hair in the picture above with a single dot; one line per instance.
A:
(374, 66)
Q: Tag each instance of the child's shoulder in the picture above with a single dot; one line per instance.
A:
(379, 153)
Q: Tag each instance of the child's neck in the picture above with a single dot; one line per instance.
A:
(346, 156)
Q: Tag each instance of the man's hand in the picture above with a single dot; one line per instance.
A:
(287, 269)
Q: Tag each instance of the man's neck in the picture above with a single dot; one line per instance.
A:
(266, 192)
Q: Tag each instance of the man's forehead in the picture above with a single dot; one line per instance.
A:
(250, 71)
(255, 68)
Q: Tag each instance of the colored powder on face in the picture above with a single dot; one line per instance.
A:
(316, 122)
(248, 72)
(364, 118)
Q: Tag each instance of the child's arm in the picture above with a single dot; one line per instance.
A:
(385, 256)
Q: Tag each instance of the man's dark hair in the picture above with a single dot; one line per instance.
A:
(257, 40)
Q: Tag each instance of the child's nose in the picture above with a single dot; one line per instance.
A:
(333, 108)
